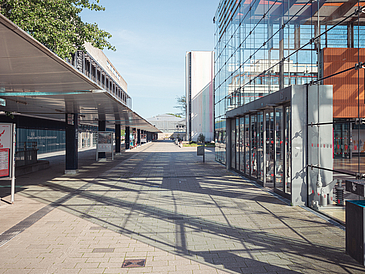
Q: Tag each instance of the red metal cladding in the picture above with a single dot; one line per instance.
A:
(346, 85)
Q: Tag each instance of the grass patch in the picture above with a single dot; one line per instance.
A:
(190, 145)
(195, 145)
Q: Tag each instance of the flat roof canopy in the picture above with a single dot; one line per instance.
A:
(35, 81)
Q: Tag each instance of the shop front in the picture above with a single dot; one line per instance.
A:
(275, 141)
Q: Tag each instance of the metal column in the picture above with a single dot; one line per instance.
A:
(127, 138)
(72, 158)
(138, 137)
(117, 138)
(101, 127)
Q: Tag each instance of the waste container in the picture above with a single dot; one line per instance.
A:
(200, 151)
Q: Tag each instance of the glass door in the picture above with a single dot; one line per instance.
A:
(253, 154)
(242, 144)
(247, 145)
(270, 154)
(233, 143)
(260, 146)
(238, 147)
(287, 165)
(279, 150)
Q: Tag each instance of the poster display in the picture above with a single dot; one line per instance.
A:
(4, 162)
(6, 144)
(105, 141)
(7, 155)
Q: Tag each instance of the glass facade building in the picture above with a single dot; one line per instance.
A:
(290, 70)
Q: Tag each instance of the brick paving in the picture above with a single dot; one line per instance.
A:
(161, 203)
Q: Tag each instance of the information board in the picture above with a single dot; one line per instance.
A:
(7, 155)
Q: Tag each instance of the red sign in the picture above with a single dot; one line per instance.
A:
(4, 162)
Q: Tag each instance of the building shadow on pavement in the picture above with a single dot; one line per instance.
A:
(173, 202)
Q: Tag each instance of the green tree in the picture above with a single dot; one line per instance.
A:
(181, 101)
(57, 24)
(201, 138)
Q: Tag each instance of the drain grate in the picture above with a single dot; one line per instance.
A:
(103, 250)
(134, 263)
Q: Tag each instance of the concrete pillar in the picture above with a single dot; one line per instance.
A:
(72, 159)
(127, 137)
(102, 127)
(117, 138)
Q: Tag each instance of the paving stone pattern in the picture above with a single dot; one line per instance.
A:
(163, 204)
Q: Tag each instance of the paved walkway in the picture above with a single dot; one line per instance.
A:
(160, 203)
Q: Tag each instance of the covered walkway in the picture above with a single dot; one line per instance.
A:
(36, 83)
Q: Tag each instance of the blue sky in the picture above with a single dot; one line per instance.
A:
(152, 37)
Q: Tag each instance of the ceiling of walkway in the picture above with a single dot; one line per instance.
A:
(34, 81)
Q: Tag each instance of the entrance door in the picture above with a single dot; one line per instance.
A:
(233, 143)
(279, 149)
(270, 152)
(282, 148)
(253, 144)
(287, 135)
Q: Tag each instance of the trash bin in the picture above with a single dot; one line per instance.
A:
(355, 217)
(200, 151)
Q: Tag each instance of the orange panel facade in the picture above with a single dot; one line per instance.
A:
(348, 87)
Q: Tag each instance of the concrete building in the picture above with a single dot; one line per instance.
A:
(199, 73)
(289, 95)
(169, 125)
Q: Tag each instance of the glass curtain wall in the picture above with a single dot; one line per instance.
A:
(264, 46)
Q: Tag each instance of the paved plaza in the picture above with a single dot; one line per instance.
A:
(162, 204)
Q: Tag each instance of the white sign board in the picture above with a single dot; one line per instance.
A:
(105, 143)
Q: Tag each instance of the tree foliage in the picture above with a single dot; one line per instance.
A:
(201, 138)
(181, 101)
(57, 23)
(174, 114)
